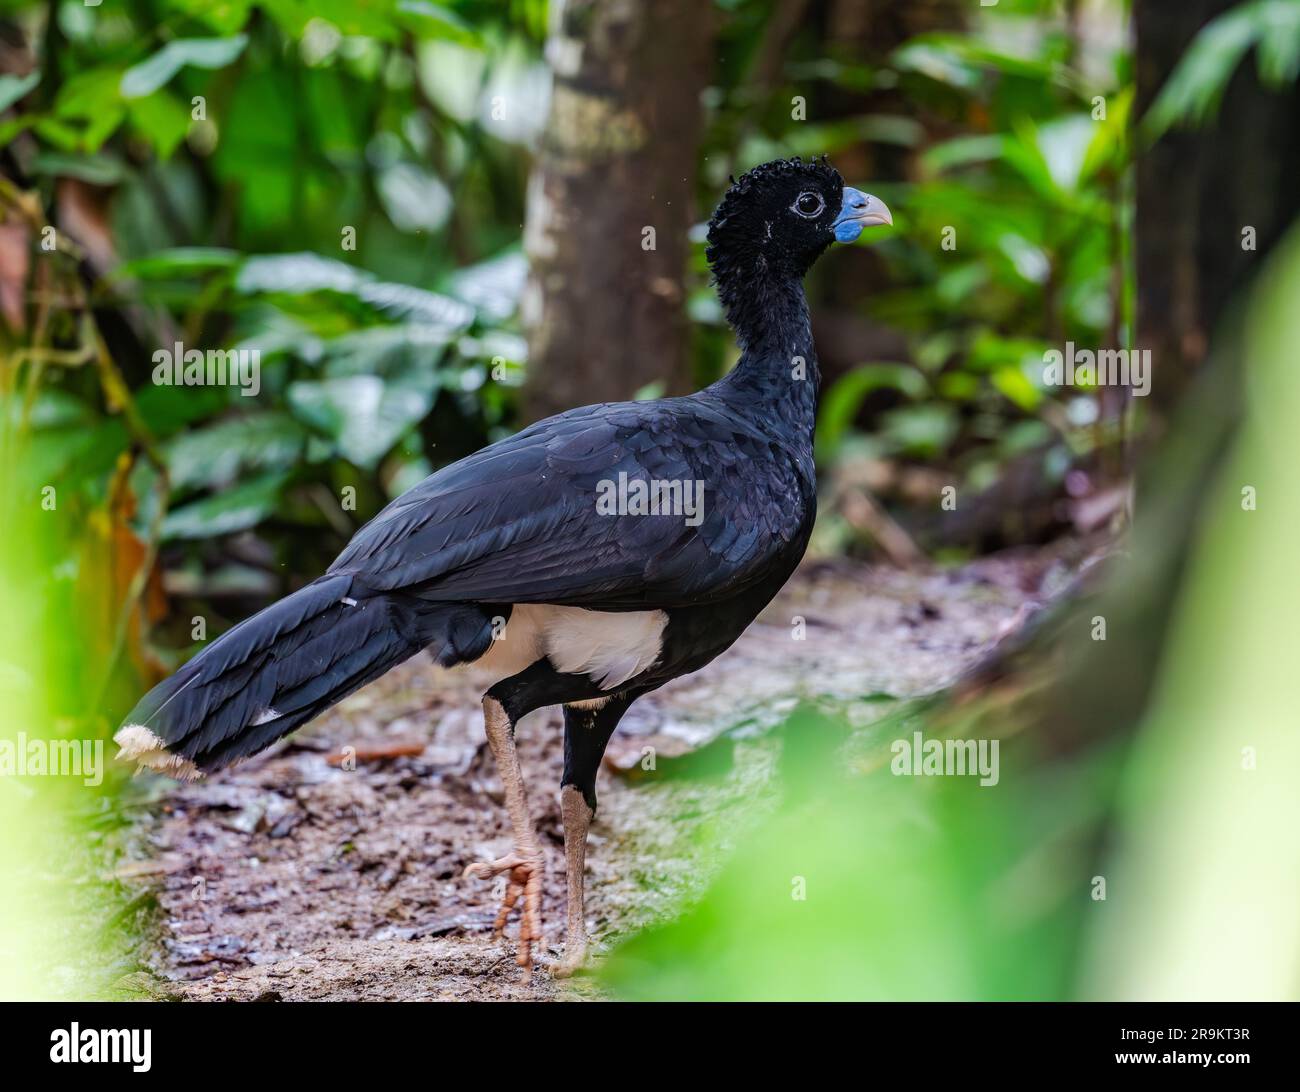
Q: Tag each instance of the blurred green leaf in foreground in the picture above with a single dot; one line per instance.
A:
(878, 886)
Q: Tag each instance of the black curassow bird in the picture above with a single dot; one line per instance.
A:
(603, 601)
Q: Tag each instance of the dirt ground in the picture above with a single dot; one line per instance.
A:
(290, 878)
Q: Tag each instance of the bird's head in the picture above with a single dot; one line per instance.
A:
(781, 216)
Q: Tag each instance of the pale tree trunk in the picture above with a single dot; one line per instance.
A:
(610, 202)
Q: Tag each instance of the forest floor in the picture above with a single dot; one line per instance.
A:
(292, 878)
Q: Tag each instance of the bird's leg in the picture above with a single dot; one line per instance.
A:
(523, 867)
(587, 728)
(577, 819)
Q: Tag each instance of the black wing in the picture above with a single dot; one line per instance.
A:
(518, 523)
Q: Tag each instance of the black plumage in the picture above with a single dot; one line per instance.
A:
(518, 524)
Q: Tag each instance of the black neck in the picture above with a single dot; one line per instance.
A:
(777, 371)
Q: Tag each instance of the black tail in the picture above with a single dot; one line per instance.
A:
(277, 670)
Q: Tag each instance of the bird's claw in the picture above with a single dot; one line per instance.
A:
(523, 878)
(572, 964)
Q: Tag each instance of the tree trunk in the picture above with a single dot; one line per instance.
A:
(610, 202)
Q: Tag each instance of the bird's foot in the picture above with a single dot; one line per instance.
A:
(523, 870)
(575, 954)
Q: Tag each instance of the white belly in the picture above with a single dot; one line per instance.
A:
(611, 647)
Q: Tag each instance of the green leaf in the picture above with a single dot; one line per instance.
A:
(166, 409)
(938, 61)
(223, 16)
(416, 305)
(1278, 52)
(414, 197)
(989, 351)
(298, 273)
(149, 75)
(162, 119)
(1193, 92)
(15, 127)
(359, 18)
(217, 455)
(842, 402)
(87, 93)
(362, 414)
(90, 97)
(1011, 380)
(962, 151)
(492, 288)
(98, 170)
(1051, 157)
(13, 88)
(305, 273)
(1109, 143)
(179, 262)
(433, 21)
(236, 509)
(924, 431)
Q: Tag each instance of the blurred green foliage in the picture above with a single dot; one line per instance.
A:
(873, 887)
(1192, 96)
(1160, 865)
(1010, 240)
(325, 183)
(313, 181)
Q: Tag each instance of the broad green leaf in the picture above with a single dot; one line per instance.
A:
(98, 170)
(162, 119)
(404, 353)
(91, 98)
(1064, 143)
(149, 75)
(298, 273)
(493, 287)
(362, 414)
(167, 409)
(302, 274)
(416, 305)
(1051, 156)
(216, 455)
(414, 197)
(88, 93)
(13, 88)
(236, 509)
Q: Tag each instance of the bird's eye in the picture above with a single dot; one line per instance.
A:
(809, 205)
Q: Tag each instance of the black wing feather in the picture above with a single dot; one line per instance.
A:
(518, 523)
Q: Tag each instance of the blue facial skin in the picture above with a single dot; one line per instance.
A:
(846, 228)
(847, 232)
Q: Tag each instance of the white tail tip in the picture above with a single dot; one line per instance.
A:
(141, 746)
